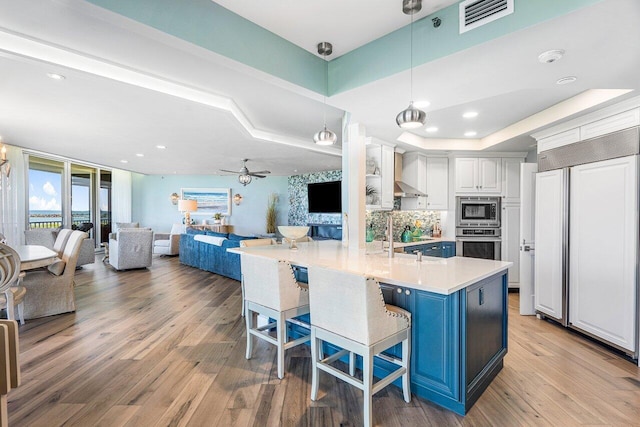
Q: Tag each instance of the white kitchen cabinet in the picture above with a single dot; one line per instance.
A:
(478, 175)
(379, 175)
(510, 221)
(511, 180)
(602, 273)
(549, 279)
(414, 173)
(437, 183)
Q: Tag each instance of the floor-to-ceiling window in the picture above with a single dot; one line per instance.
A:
(69, 195)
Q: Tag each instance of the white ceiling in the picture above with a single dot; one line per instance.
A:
(211, 111)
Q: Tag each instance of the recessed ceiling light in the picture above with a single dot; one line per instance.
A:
(471, 133)
(124, 161)
(421, 104)
(56, 76)
(161, 147)
(550, 56)
(140, 155)
(470, 114)
(432, 129)
(566, 80)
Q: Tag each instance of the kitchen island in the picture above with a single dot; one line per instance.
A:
(458, 307)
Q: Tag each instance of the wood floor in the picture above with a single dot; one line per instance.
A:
(165, 346)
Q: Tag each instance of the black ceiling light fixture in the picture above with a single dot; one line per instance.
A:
(411, 117)
(325, 136)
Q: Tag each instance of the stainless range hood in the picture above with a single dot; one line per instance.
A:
(402, 189)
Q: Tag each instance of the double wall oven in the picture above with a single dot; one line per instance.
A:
(478, 227)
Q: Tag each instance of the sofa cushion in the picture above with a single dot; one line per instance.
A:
(57, 267)
(195, 231)
(239, 237)
(216, 234)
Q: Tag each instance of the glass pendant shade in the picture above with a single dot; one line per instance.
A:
(411, 117)
(244, 179)
(325, 137)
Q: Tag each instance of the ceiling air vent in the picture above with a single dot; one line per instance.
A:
(476, 13)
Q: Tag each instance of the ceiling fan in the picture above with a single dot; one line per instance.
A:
(244, 176)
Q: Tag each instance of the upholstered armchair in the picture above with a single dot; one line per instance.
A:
(168, 243)
(48, 237)
(50, 290)
(131, 248)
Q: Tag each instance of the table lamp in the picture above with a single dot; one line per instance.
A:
(187, 206)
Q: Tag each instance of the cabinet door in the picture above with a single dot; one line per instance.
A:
(466, 175)
(448, 249)
(414, 173)
(435, 346)
(511, 175)
(437, 183)
(387, 171)
(602, 274)
(549, 278)
(489, 175)
(511, 240)
(611, 124)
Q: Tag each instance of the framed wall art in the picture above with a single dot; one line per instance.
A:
(210, 200)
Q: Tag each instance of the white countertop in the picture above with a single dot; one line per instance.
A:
(438, 275)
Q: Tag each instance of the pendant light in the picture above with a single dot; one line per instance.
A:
(411, 117)
(325, 136)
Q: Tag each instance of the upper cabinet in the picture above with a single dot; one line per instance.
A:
(478, 175)
(429, 175)
(437, 183)
(511, 180)
(379, 176)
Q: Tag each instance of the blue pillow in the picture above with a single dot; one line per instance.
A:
(213, 233)
(239, 237)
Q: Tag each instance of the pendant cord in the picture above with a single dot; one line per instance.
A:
(326, 89)
(411, 61)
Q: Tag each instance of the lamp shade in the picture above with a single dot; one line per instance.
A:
(411, 117)
(187, 205)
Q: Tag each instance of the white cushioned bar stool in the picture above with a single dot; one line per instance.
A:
(348, 311)
(250, 243)
(271, 290)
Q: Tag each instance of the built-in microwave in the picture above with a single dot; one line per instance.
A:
(478, 211)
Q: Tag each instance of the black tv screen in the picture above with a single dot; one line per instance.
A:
(325, 197)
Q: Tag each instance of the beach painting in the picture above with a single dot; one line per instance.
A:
(210, 200)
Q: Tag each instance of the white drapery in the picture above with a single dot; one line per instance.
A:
(12, 191)
(120, 196)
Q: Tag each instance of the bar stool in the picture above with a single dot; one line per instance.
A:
(348, 310)
(248, 243)
(272, 291)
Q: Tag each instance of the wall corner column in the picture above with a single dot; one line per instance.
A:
(353, 175)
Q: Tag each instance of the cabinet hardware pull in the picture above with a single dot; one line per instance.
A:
(407, 292)
(399, 290)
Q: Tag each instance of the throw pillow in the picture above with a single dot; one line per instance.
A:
(57, 267)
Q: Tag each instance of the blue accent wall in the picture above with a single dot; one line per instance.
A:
(152, 208)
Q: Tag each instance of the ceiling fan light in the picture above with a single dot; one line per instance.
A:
(325, 137)
(411, 117)
(244, 179)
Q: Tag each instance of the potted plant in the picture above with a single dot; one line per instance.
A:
(370, 192)
(272, 213)
(217, 217)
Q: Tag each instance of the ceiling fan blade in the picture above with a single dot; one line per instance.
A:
(224, 170)
(262, 172)
(257, 176)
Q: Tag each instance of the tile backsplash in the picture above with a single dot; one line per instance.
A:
(401, 219)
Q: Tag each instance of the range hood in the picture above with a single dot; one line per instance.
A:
(400, 188)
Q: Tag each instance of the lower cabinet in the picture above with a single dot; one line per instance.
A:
(440, 249)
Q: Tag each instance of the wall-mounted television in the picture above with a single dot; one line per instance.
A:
(325, 197)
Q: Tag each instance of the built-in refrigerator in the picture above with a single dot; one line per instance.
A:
(586, 234)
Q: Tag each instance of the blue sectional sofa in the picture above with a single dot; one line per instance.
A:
(211, 257)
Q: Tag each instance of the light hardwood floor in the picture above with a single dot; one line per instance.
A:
(165, 346)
